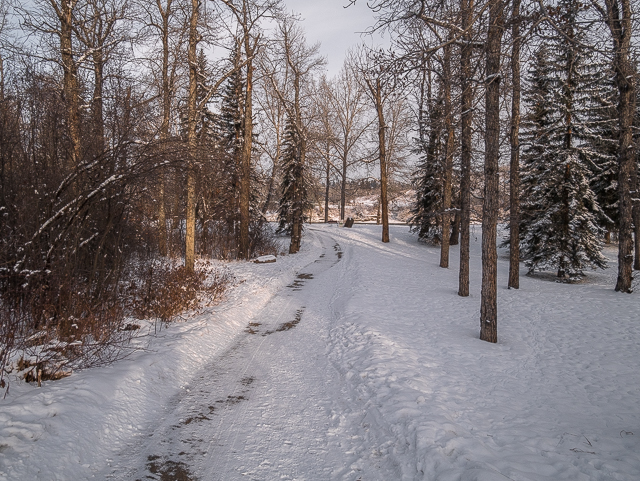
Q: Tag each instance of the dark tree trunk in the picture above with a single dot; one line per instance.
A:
(97, 104)
(382, 147)
(514, 171)
(455, 229)
(71, 90)
(636, 233)
(343, 188)
(618, 16)
(466, 118)
(489, 296)
(326, 193)
(297, 214)
(245, 161)
(448, 160)
(636, 215)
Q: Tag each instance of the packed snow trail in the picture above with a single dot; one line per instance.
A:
(267, 407)
(355, 361)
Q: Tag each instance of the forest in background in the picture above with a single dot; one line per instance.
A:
(138, 136)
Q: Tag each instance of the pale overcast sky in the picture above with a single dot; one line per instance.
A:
(336, 27)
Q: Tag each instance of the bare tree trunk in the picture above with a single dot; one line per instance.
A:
(382, 147)
(164, 128)
(514, 171)
(343, 188)
(326, 192)
(636, 217)
(636, 221)
(245, 158)
(190, 237)
(272, 180)
(448, 160)
(1, 78)
(97, 104)
(70, 80)
(466, 118)
(298, 204)
(489, 296)
(618, 17)
(455, 229)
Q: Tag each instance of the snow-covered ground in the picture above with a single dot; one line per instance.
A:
(354, 360)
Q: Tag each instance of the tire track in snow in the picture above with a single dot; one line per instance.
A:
(229, 423)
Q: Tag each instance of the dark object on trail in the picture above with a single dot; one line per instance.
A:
(348, 222)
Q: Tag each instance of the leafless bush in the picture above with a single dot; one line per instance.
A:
(163, 291)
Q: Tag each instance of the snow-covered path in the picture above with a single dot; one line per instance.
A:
(355, 361)
(264, 408)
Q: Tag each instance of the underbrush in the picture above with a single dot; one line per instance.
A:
(164, 291)
(48, 332)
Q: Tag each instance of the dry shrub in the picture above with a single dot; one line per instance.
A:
(165, 290)
(264, 240)
(86, 333)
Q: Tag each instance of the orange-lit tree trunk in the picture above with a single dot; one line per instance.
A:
(190, 235)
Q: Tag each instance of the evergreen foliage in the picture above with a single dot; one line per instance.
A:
(428, 179)
(604, 140)
(293, 186)
(560, 211)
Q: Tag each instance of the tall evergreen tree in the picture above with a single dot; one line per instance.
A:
(560, 212)
(604, 142)
(230, 139)
(294, 200)
(428, 179)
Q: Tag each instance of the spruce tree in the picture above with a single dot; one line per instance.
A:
(428, 178)
(560, 211)
(604, 142)
(230, 134)
(294, 198)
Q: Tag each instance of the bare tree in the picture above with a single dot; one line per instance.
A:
(247, 15)
(514, 169)
(618, 16)
(161, 22)
(381, 79)
(489, 295)
(4, 11)
(192, 112)
(55, 19)
(325, 138)
(347, 99)
(466, 120)
(272, 113)
(99, 30)
(448, 157)
(299, 61)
